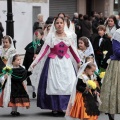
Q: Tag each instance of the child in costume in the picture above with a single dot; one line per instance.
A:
(85, 49)
(7, 48)
(15, 94)
(96, 76)
(102, 47)
(82, 104)
(32, 49)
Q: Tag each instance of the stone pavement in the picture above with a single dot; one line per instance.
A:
(35, 113)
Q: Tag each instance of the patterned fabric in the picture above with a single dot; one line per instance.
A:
(110, 91)
(60, 50)
(79, 109)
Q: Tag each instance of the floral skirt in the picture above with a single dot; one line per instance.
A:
(110, 90)
(79, 110)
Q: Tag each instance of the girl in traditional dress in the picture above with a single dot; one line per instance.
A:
(7, 48)
(6, 51)
(69, 27)
(32, 49)
(82, 104)
(95, 76)
(110, 91)
(15, 94)
(57, 74)
(85, 49)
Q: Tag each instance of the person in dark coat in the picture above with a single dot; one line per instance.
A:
(32, 49)
(78, 27)
(40, 24)
(49, 21)
(102, 47)
(1, 32)
(86, 27)
(101, 18)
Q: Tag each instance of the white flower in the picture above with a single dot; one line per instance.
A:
(105, 52)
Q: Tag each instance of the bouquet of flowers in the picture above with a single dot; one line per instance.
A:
(91, 84)
(102, 74)
(4, 58)
(7, 70)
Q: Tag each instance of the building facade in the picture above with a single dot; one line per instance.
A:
(81, 6)
(25, 14)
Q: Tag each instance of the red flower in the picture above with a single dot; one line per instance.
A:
(36, 33)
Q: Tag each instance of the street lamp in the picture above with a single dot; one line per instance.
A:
(10, 22)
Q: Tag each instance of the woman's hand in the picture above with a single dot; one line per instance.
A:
(35, 55)
(34, 65)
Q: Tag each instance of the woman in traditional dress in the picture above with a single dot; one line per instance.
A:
(110, 91)
(56, 71)
(111, 26)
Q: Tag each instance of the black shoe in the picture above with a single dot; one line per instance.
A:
(14, 113)
(61, 113)
(55, 113)
(34, 95)
(17, 113)
(110, 117)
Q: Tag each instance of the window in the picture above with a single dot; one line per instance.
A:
(116, 4)
(36, 11)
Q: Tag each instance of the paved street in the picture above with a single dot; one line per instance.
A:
(35, 113)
